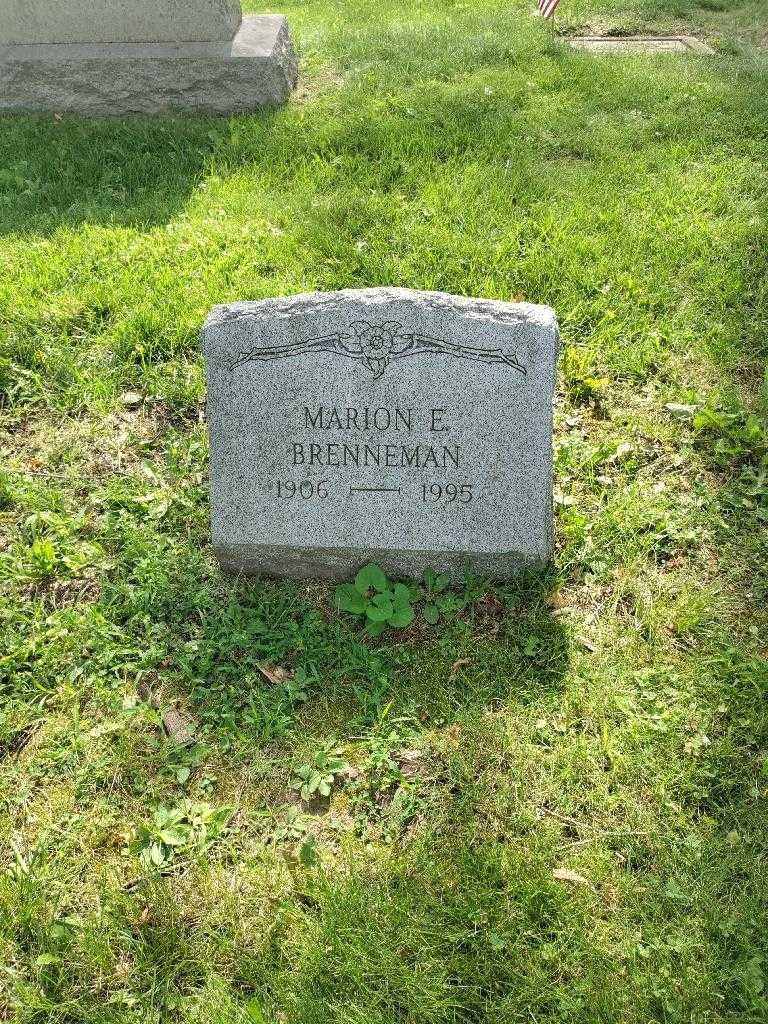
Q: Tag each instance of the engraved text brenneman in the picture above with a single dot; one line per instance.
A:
(375, 420)
(387, 455)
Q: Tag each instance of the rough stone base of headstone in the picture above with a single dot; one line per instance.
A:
(341, 563)
(257, 68)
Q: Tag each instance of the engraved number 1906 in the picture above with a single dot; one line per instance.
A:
(306, 489)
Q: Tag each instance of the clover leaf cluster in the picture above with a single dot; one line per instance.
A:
(383, 603)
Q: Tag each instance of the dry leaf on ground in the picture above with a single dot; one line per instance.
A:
(585, 643)
(458, 665)
(179, 726)
(274, 673)
(566, 875)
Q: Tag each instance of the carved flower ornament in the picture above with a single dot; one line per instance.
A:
(377, 345)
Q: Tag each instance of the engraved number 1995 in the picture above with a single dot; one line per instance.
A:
(447, 492)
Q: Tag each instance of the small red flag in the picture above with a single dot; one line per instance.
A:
(547, 8)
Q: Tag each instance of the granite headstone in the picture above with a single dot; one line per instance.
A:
(125, 21)
(413, 429)
(107, 57)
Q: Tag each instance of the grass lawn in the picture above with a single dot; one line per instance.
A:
(550, 807)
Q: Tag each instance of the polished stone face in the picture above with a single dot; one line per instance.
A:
(410, 428)
(118, 21)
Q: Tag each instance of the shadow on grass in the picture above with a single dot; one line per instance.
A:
(135, 172)
(209, 638)
(453, 929)
(549, 217)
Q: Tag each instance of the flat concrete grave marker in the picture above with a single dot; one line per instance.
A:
(413, 429)
(107, 57)
(640, 44)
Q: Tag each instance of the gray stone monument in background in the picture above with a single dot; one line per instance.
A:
(141, 56)
(413, 429)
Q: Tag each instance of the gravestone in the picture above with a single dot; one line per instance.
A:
(413, 429)
(640, 44)
(141, 56)
(129, 21)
